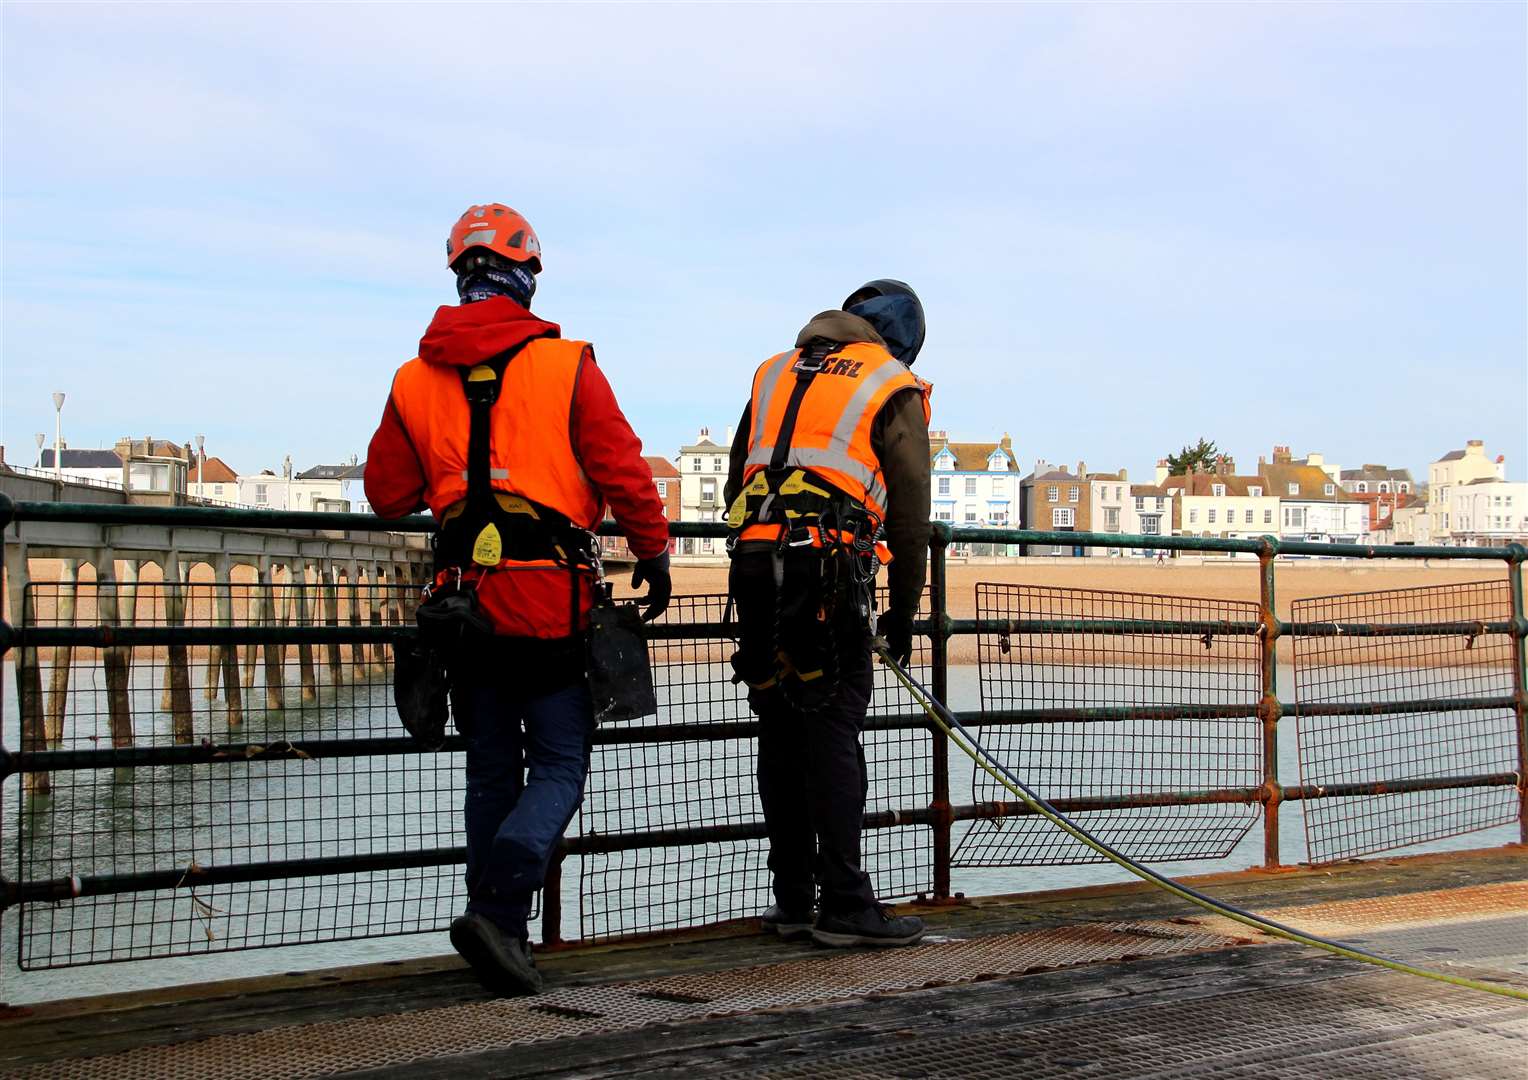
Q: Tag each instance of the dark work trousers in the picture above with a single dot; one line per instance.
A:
(811, 769)
(528, 747)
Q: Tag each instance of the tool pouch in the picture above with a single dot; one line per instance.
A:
(620, 675)
(449, 621)
(419, 692)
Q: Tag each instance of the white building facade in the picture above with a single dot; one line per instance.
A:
(973, 483)
(1453, 470)
(702, 477)
(1488, 513)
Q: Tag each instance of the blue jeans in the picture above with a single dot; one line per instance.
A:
(527, 758)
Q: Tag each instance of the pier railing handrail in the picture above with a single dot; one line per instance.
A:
(939, 814)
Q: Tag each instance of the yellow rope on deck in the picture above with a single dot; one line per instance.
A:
(958, 733)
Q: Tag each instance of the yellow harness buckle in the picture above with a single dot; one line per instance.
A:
(488, 549)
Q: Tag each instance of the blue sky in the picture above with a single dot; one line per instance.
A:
(1131, 226)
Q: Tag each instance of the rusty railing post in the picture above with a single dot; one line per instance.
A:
(939, 644)
(1268, 708)
(551, 898)
(1515, 558)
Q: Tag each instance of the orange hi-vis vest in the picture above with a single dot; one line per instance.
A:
(833, 422)
(530, 453)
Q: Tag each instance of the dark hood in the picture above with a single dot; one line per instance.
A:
(460, 336)
(838, 327)
(895, 311)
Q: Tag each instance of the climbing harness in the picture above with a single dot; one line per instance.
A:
(806, 521)
(952, 726)
(496, 531)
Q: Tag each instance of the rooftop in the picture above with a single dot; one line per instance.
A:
(972, 456)
(662, 467)
(83, 459)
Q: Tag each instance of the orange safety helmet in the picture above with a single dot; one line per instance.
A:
(496, 228)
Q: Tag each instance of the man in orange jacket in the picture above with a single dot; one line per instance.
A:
(831, 450)
(511, 437)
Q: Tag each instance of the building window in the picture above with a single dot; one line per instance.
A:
(1211, 516)
(998, 463)
(260, 494)
(1062, 517)
(708, 490)
(1218, 490)
(1362, 487)
(1329, 489)
(1151, 525)
(1267, 517)
(1193, 517)
(1000, 517)
(1255, 492)
(1249, 517)
(695, 465)
(1294, 488)
(1072, 493)
(1053, 494)
(970, 485)
(217, 489)
(1140, 503)
(1403, 487)
(1160, 501)
(1111, 519)
(999, 485)
(662, 489)
(944, 485)
(970, 516)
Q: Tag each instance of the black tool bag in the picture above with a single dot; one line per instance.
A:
(620, 673)
(420, 685)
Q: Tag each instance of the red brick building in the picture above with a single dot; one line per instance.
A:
(666, 480)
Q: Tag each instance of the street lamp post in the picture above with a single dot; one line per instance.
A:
(41, 439)
(201, 459)
(58, 435)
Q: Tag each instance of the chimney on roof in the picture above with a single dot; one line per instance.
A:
(1006, 442)
(1163, 472)
(938, 435)
(1124, 474)
(730, 432)
(1475, 442)
(705, 433)
(1262, 463)
(1282, 456)
(1082, 468)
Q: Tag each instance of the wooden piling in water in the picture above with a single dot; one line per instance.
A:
(256, 615)
(228, 655)
(118, 601)
(63, 656)
(178, 662)
(275, 655)
(330, 576)
(304, 650)
(357, 650)
(34, 735)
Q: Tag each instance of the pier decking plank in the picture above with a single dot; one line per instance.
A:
(830, 1035)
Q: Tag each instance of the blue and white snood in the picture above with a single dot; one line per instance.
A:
(486, 282)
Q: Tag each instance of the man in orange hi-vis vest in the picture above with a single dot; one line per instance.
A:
(831, 458)
(510, 435)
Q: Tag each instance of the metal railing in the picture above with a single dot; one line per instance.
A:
(673, 792)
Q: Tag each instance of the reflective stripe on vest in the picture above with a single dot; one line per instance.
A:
(530, 451)
(835, 419)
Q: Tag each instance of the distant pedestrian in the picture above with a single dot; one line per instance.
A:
(510, 435)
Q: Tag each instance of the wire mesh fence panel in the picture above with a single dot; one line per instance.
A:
(232, 787)
(1380, 661)
(637, 784)
(1150, 711)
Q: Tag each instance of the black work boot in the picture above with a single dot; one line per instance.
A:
(875, 925)
(502, 963)
(790, 925)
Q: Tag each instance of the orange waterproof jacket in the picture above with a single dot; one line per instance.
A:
(834, 419)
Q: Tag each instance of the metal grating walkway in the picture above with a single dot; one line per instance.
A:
(327, 1049)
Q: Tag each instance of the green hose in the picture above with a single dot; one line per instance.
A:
(962, 737)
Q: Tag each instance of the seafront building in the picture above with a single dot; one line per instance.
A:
(1312, 504)
(1220, 503)
(1488, 512)
(702, 477)
(1455, 469)
(973, 483)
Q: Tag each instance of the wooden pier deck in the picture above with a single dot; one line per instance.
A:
(1108, 981)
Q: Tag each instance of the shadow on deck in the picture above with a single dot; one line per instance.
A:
(1111, 980)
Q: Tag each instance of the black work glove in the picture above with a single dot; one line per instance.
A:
(897, 630)
(655, 573)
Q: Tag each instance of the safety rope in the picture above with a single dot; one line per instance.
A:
(962, 737)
